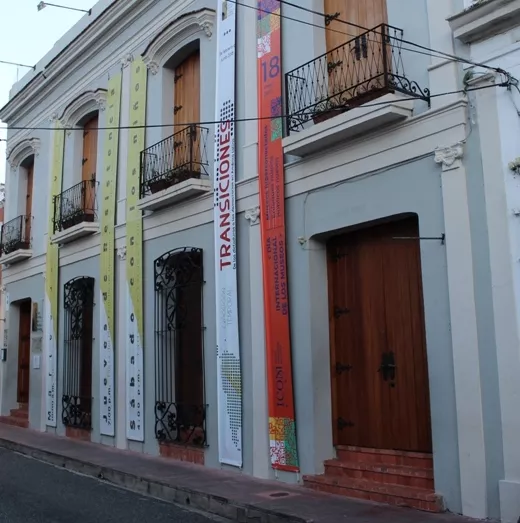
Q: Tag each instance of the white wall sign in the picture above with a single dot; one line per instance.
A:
(228, 351)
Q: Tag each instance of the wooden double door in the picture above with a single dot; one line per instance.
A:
(380, 390)
(24, 352)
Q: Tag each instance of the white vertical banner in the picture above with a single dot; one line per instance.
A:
(229, 377)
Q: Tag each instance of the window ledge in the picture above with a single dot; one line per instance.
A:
(485, 20)
(185, 190)
(16, 256)
(347, 125)
(73, 233)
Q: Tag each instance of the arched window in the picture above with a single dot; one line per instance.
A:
(77, 354)
(180, 412)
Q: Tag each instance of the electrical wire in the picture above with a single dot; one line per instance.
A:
(251, 119)
(439, 54)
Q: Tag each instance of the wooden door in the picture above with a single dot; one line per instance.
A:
(89, 166)
(186, 110)
(380, 390)
(26, 235)
(362, 59)
(24, 352)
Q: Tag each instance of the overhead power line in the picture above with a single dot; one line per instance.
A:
(252, 119)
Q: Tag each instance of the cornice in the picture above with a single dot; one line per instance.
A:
(22, 149)
(174, 33)
(485, 19)
(75, 55)
(37, 94)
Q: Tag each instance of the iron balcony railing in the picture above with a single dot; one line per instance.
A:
(16, 234)
(75, 205)
(175, 159)
(366, 67)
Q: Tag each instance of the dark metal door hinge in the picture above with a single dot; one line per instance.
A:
(177, 108)
(84, 161)
(330, 18)
(177, 77)
(342, 424)
(340, 367)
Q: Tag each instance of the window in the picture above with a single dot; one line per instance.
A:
(180, 412)
(77, 357)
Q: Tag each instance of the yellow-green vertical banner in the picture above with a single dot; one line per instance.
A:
(51, 284)
(134, 257)
(108, 221)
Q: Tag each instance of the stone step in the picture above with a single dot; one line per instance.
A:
(20, 413)
(17, 422)
(381, 473)
(386, 457)
(399, 495)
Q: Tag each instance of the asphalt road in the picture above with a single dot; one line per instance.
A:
(34, 492)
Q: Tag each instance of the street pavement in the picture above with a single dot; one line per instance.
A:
(34, 492)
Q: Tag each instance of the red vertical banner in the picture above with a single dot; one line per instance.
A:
(282, 426)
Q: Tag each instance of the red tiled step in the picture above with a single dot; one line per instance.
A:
(386, 457)
(20, 413)
(17, 422)
(400, 495)
(381, 473)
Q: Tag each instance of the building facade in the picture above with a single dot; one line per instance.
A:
(384, 271)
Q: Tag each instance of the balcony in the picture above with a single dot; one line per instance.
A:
(75, 212)
(15, 242)
(175, 169)
(366, 68)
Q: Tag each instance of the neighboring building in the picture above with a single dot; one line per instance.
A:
(395, 312)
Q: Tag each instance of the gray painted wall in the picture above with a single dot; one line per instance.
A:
(414, 187)
(29, 288)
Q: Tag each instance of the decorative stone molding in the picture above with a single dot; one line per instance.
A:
(127, 60)
(3, 289)
(121, 252)
(207, 27)
(172, 37)
(153, 67)
(253, 215)
(81, 106)
(449, 157)
(18, 152)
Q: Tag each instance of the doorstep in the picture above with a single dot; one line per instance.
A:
(233, 495)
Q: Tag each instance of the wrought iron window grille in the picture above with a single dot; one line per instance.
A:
(180, 409)
(76, 205)
(77, 354)
(356, 72)
(174, 160)
(15, 235)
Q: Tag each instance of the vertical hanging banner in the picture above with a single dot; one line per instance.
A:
(51, 285)
(282, 426)
(229, 375)
(134, 258)
(106, 286)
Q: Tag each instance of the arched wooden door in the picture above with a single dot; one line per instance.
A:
(380, 389)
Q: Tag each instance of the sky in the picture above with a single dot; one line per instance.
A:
(25, 37)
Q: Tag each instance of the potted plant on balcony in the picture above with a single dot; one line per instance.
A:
(70, 214)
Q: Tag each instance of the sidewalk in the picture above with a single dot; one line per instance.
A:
(235, 496)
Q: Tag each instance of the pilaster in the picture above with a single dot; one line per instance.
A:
(466, 361)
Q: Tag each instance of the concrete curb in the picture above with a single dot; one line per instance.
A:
(220, 506)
